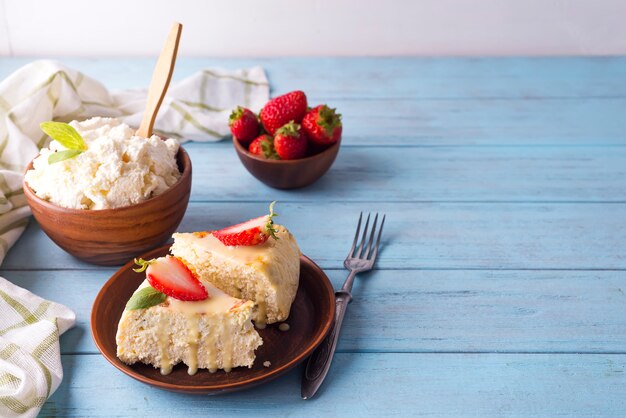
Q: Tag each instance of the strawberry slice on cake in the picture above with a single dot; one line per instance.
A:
(175, 317)
(256, 260)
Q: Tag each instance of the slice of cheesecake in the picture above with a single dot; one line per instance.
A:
(266, 273)
(213, 333)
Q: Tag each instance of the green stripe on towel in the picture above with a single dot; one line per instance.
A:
(233, 77)
(189, 118)
(203, 106)
(8, 351)
(41, 309)
(18, 307)
(18, 407)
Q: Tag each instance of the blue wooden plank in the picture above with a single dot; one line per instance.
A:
(417, 235)
(479, 174)
(334, 77)
(505, 122)
(442, 174)
(456, 150)
(401, 114)
(377, 385)
(427, 311)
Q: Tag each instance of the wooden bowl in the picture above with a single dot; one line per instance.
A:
(288, 174)
(113, 236)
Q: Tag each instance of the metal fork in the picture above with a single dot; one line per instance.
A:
(357, 262)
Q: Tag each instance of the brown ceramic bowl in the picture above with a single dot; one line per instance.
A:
(113, 236)
(288, 174)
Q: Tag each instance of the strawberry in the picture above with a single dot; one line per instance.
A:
(290, 142)
(322, 125)
(283, 109)
(243, 124)
(263, 146)
(253, 232)
(172, 277)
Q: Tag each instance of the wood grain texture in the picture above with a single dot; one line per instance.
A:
(499, 291)
(112, 236)
(429, 174)
(417, 235)
(483, 121)
(285, 174)
(427, 311)
(388, 78)
(361, 384)
(399, 101)
(161, 78)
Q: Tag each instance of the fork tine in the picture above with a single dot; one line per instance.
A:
(371, 240)
(380, 232)
(356, 236)
(360, 249)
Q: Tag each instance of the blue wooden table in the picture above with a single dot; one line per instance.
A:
(501, 288)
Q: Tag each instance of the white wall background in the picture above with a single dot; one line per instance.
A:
(314, 27)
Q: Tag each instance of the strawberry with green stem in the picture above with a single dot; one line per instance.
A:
(243, 124)
(322, 125)
(283, 109)
(263, 146)
(290, 142)
(253, 232)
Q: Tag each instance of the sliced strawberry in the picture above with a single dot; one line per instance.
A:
(171, 276)
(253, 232)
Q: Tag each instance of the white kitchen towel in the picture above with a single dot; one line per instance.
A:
(30, 357)
(195, 108)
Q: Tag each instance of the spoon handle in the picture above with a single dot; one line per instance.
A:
(160, 80)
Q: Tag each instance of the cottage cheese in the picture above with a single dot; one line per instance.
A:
(118, 168)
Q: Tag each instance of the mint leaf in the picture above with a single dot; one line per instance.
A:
(63, 155)
(64, 134)
(145, 298)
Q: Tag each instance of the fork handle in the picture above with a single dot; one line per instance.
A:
(319, 362)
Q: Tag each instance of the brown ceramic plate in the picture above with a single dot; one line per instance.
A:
(310, 319)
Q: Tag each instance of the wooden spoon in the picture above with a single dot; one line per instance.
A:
(160, 80)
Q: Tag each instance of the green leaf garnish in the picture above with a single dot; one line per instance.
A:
(65, 135)
(270, 222)
(143, 264)
(63, 155)
(145, 298)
